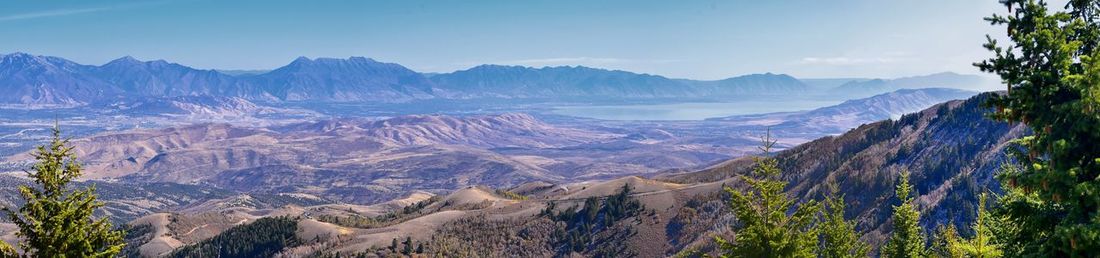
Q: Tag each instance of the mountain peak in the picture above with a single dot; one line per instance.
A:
(576, 68)
(18, 54)
(762, 75)
(328, 61)
(24, 60)
(360, 59)
(126, 60)
(496, 67)
(349, 60)
(947, 73)
(298, 63)
(301, 59)
(18, 58)
(129, 62)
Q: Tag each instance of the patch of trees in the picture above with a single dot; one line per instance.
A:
(909, 239)
(134, 238)
(695, 219)
(480, 236)
(584, 226)
(351, 221)
(595, 228)
(263, 238)
(180, 223)
(281, 200)
(407, 247)
(511, 195)
(466, 206)
(390, 218)
(771, 224)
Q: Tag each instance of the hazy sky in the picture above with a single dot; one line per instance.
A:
(682, 39)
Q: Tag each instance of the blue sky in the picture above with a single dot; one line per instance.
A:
(682, 39)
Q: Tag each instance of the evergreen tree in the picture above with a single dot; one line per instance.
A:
(907, 239)
(1052, 70)
(591, 210)
(621, 205)
(407, 246)
(838, 237)
(946, 243)
(56, 221)
(764, 228)
(983, 244)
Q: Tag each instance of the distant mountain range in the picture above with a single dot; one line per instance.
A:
(578, 81)
(866, 87)
(852, 113)
(45, 80)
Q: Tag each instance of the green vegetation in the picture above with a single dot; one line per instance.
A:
(983, 244)
(395, 249)
(55, 221)
(351, 221)
(407, 248)
(907, 239)
(262, 238)
(511, 195)
(590, 227)
(765, 229)
(135, 237)
(1052, 69)
(838, 237)
(480, 236)
(583, 227)
(945, 242)
(390, 218)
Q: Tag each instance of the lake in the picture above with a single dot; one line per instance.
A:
(690, 111)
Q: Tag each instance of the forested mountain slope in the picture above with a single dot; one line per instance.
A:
(952, 151)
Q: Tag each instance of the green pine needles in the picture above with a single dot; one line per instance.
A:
(907, 239)
(838, 237)
(56, 221)
(983, 244)
(1052, 69)
(764, 228)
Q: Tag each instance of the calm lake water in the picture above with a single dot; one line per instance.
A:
(690, 111)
